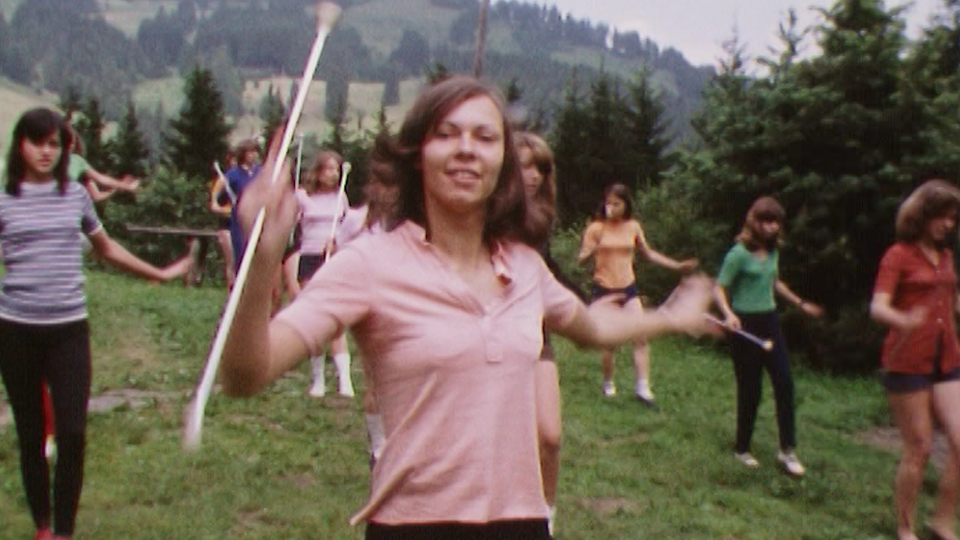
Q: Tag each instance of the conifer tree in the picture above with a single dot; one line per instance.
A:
(198, 135)
(90, 129)
(130, 153)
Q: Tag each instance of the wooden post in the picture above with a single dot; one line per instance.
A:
(481, 39)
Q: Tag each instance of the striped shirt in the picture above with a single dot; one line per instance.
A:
(39, 236)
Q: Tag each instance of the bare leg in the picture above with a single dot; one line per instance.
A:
(226, 248)
(912, 414)
(946, 405)
(641, 363)
(549, 426)
(290, 267)
(606, 366)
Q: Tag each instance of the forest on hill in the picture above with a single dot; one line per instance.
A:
(56, 45)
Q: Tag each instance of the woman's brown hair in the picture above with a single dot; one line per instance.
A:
(311, 182)
(762, 210)
(543, 204)
(933, 199)
(394, 162)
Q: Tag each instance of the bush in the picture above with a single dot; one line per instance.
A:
(674, 225)
(167, 200)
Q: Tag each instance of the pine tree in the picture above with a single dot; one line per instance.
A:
(130, 152)
(71, 101)
(90, 129)
(272, 112)
(647, 153)
(569, 140)
(199, 134)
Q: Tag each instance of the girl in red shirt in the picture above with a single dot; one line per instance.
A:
(916, 296)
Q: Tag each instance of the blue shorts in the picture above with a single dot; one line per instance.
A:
(629, 293)
(904, 383)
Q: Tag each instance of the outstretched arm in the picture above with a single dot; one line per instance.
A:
(116, 255)
(127, 183)
(810, 309)
(659, 259)
(604, 324)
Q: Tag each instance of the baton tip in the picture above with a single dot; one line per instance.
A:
(328, 13)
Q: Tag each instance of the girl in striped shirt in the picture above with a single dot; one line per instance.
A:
(44, 333)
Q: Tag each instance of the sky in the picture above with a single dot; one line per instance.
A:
(697, 28)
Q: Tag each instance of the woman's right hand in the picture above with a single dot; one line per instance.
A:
(732, 322)
(910, 320)
(687, 304)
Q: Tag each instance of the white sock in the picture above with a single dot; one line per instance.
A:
(342, 361)
(318, 388)
(376, 434)
(643, 388)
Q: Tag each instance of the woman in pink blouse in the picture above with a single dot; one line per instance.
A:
(448, 307)
(322, 204)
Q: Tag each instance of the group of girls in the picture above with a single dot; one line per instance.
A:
(321, 205)
(451, 304)
(744, 293)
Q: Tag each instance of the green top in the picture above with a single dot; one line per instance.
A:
(76, 167)
(749, 280)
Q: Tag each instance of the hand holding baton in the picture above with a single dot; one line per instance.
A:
(765, 344)
(327, 15)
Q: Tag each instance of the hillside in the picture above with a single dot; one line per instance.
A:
(142, 47)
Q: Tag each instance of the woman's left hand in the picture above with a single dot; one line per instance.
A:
(688, 266)
(812, 310)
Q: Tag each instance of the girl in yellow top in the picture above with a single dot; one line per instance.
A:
(612, 240)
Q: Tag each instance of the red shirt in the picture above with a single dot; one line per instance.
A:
(912, 280)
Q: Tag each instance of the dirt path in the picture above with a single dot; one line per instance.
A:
(108, 401)
(888, 438)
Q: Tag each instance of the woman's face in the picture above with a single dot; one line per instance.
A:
(938, 229)
(769, 228)
(251, 157)
(614, 207)
(462, 156)
(329, 174)
(532, 177)
(42, 157)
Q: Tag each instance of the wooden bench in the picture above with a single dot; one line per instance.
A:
(202, 235)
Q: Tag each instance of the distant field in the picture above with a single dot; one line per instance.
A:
(16, 99)
(127, 14)
(364, 103)
(381, 22)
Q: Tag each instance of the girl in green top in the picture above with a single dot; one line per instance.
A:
(744, 291)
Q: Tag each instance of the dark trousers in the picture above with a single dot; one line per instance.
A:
(749, 361)
(60, 355)
(525, 529)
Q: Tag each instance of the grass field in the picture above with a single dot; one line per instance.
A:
(282, 465)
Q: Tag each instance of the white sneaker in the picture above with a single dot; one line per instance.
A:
(609, 389)
(50, 448)
(318, 388)
(791, 463)
(747, 459)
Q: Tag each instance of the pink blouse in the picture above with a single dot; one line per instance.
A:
(454, 378)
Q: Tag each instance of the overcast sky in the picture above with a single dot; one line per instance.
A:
(697, 27)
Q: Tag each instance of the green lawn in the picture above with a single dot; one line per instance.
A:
(286, 466)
